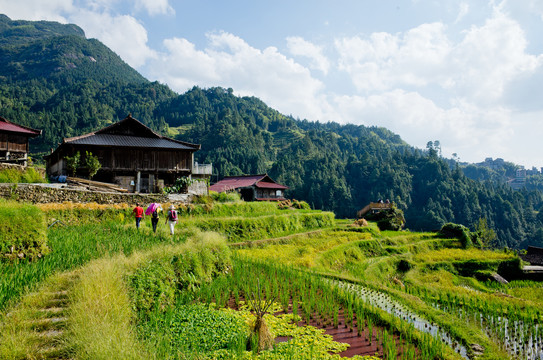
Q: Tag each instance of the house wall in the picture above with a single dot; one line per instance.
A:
(156, 168)
(143, 159)
(13, 142)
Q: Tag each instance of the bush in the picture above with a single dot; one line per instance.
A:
(154, 284)
(23, 231)
(231, 196)
(302, 205)
(14, 176)
(197, 329)
(456, 231)
(392, 219)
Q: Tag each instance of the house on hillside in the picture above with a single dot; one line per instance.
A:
(14, 142)
(131, 154)
(534, 255)
(252, 187)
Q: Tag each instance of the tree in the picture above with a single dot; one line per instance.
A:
(437, 147)
(72, 162)
(92, 163)
(260, 337)
(485, 234)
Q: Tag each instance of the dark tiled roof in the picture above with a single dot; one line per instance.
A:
(130, 141)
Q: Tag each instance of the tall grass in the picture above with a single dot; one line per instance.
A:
(72, 247)
(101, 315)
(262, 227)
(29, 175)
(22, 231)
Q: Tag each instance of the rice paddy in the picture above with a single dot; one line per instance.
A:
(395, 295)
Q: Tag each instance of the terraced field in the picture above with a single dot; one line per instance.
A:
(107, 291)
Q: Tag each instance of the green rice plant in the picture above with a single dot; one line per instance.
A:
(336, 316)
(238, 228)
(370, 331)
(73, 246)
(22, 232)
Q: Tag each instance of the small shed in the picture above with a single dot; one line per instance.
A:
(14, 142)
(131, 155)
(252, 187)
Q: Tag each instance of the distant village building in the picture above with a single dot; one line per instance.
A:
(14, 142)
(252, 187)
(520, 179)
(131, 154)
(493, 164)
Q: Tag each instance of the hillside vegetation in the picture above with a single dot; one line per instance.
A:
(53, 78)
(110, 291)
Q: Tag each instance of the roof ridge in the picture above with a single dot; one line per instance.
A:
(38, 132)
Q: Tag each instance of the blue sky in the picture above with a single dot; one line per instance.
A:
(467, 73)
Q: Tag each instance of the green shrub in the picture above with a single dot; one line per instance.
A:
(202, 199)
(299, 204)
(456, 231)
(14, 176)
(392, 219)
(230, 196)
(23, 231)
(197, 329)
(153, 286)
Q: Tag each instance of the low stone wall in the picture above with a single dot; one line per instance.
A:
(53, 193)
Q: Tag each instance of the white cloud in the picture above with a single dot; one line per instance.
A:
(460, 128)
(490, 57)
(50, 10)
(479, 67)
(462, 12)
(230, 62)
(300, 47)
(155, 7)
(385, 61)
(123, 34)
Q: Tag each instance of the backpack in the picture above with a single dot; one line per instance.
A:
(155, 214)
(173, 215)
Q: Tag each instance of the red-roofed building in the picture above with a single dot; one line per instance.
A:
(14, 141)
(252, 187)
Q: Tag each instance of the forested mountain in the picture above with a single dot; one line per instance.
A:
(53, 78)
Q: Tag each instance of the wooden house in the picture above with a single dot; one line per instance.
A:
(14, 142)
(131, 154)
(252, 187)
(534, 255)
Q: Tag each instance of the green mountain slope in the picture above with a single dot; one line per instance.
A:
(53, 78)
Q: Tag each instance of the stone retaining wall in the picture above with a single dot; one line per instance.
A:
(44, 193)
